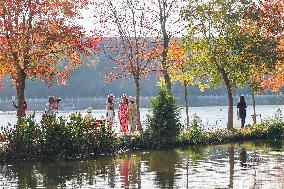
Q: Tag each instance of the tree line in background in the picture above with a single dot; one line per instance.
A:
(231, 43)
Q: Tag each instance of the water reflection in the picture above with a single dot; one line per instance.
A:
(245, 165)
(163, 164)
(243, 157)
(232, 164)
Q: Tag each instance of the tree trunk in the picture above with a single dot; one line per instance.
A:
(20, 88)
(253, 105)
(166, 41)
(230, 109)
(137, 84)
(230, 123)
(165, 67)
(186, 104)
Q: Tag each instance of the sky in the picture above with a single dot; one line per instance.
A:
(92, 22)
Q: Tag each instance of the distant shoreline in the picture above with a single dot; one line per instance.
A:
(101, 109)
(38, 104)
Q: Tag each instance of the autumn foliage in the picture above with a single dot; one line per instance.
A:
(266, 19)
(40, 39)
(135, 58)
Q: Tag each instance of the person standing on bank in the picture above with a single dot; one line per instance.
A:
(52, 106)
(123, 114)
(241, 110)
(110, 110)
(89, 115)
(132, 114)
(25, 108)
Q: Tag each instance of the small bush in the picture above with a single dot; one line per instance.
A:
(164, 124)
(24, 140)
(195, 133)
(275, 130)
(58, 138)
(272, 129)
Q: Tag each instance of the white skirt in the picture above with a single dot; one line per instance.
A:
(110, 116)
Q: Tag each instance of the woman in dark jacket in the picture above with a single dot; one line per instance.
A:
(241, 110)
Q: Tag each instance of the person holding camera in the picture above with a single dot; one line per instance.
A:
(52, 106)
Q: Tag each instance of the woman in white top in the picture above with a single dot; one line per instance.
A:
(132, 114)
(89, 114)
(110, 109)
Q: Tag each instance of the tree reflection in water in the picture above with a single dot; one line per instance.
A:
(232, 165)
(135, 171)
(260, 164)
(163, 163)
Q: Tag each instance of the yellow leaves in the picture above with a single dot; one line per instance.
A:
(202, 87)
(3, 71)
(177, 58)
(74, 61)
(161, 83)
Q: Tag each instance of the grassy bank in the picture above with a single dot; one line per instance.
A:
(74, 138)
(271, 129)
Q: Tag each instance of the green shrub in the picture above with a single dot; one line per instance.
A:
(164, 123)
(195, 132)
(24, 140)
(105, 139)
(275, 130)
(56, 138)
(74, 136)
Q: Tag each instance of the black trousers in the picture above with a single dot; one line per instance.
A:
(243, 120)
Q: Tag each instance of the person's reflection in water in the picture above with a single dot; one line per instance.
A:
(124, 172)
(111, 174)
(243, 157)
(135, 171)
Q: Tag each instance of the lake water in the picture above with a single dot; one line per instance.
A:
(214, 116)
(240, 165)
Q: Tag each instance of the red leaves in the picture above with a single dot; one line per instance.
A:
(266, 19)
(42, 34)
(63, 76)
(274, 81)
(92, 42)
(133, 59)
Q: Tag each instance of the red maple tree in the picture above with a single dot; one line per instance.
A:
(41, 39)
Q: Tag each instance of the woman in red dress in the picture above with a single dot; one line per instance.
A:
(123, 114)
